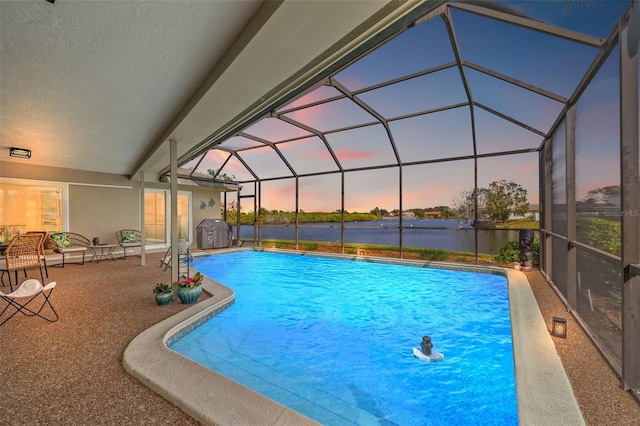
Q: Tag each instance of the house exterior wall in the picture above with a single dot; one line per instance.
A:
(99, 204)
(100, 211)
(201, 200)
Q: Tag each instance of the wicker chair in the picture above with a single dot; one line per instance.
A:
(69, 243)
(128, 238)
(22, 253)
(43, 256)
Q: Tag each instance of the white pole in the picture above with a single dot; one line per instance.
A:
(579, 282)
(143, 258)
(173, 186)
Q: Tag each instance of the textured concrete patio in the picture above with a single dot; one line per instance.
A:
(71, 371)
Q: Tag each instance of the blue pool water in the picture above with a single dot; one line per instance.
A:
(332, 339)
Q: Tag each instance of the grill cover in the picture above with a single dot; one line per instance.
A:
(213, 233)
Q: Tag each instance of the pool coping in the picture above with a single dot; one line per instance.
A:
(544, 393)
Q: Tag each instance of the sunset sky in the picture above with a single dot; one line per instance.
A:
(546, 62)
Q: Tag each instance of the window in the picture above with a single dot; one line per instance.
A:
(157, 216)
(25, 207)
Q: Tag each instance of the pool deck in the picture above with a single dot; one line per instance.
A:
(206, 395)
(544, 393)
(70, 372)
(545, 396)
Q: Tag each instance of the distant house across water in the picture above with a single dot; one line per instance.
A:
(532, 213)
(408, 214)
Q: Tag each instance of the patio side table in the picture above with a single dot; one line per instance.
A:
(102, 251)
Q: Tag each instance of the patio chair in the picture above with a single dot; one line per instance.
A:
(128, 238)
(43, 256)
(22, 253)
(184, 257)
(69, 243)
(29, 289)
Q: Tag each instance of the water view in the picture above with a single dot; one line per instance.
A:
(443, 234)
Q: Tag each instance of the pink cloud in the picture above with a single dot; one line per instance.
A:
(315, 153)
(428, 198)
(349, 154)
(352, 82)
(278, 195)
(309, 115)
(322, 92)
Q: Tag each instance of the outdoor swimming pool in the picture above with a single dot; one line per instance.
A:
(333, 339)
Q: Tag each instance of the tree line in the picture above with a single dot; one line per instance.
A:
(279, 217)
(496, 203)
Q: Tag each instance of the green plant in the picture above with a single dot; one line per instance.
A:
(510, 252)
(433, 254)
(311, 247)
(190, 282)
(162, 288)
(600, 233)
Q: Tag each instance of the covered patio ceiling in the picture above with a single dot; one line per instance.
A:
(101, 86)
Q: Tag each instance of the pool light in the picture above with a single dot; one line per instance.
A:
(559, 327)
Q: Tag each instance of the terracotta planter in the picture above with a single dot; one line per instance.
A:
(189, 295)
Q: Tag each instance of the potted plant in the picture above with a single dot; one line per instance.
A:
(163, 293)
(189, 288)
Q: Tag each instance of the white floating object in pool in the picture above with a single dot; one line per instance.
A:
(435, 356)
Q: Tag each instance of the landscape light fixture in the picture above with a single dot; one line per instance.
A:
(20, 152)
(559, 327)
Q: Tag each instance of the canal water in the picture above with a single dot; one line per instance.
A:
(444, 234)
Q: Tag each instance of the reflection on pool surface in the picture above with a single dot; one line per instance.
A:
(333, 339)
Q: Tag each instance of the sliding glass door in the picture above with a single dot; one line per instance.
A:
(157, 216)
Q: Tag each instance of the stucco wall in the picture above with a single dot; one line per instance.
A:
(101, 203)
(201, 209)
(96, 211)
